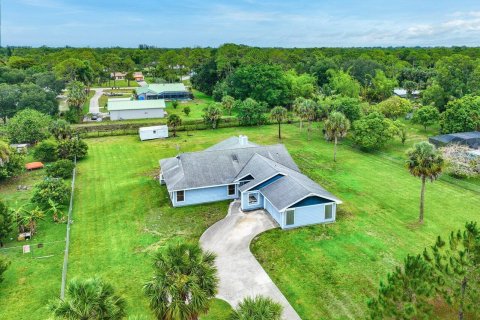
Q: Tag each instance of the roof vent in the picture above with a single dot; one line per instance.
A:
(243, 140)
(235, 157)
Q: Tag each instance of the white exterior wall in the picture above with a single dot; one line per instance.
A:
(137, 114)
(153, 134)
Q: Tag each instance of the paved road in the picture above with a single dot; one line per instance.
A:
(94, 105)
(240, 273)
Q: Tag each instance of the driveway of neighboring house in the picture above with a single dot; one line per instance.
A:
(240, 273)
(94, 105)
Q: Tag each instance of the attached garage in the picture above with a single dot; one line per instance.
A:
(120, 109)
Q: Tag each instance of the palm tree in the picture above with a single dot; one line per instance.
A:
(55, 209)
(174, 121)
(30, 218)
(76, 95)
(227, 104)
(91, 299)
(336, 126)
(258, 308)
(61, 129)
(212, 115)
(426, 162)
(279, 114)
(306, 110)
(297, 104)
(184, 282)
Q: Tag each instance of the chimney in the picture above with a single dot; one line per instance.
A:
(243, 140)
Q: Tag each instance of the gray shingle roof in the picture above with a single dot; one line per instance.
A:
(221, 165)
(232, 143)
(294, 186)
(216, 167)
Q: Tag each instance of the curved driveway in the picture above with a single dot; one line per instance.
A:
(240, 273)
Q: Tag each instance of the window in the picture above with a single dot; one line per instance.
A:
(328, 211)
(180, 196)
(232, 190)
(252, 198)
(290, 217)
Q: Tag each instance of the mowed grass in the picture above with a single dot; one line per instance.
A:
(122, 214)
(32, 279)
(330, 271)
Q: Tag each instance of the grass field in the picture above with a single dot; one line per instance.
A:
(122, 215)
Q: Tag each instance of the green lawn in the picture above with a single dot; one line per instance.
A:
(329, 272)
(122, 215)
(32, 279)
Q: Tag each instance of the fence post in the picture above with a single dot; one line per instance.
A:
(67, 240)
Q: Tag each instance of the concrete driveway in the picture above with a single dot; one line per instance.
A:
(240, 273)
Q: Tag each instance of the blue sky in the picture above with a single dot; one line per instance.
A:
(300, 23)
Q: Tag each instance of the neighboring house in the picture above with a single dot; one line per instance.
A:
(167, 91)
(261, 177)
(125, 109)
(138, 76)
(150, 133)
(402, 93)
(118, 75)
(470, 139)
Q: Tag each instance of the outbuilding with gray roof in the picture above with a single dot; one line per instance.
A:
(126, 109)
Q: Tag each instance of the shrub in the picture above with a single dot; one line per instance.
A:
(6, 222)
(53, 189)
(394, 107)
(11, 162)
(61, 169)
(3, 267)
(28, 126)
(373, 131)
(187, 110)
(71, 148)
(46, 151)
(460, 163)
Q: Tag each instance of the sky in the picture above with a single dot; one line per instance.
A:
(268, 23)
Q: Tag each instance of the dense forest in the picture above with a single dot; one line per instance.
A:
(270, 76)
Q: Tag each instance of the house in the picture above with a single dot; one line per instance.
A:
(118, 75)
(150, 133)
(167, 91)
(261, 177)
(138, 76)
(403, 93)
(470, 139)
(126, 109)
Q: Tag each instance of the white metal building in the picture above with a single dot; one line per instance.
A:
(121, 109)
(150, 133)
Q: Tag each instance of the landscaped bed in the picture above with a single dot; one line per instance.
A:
(121, 215)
